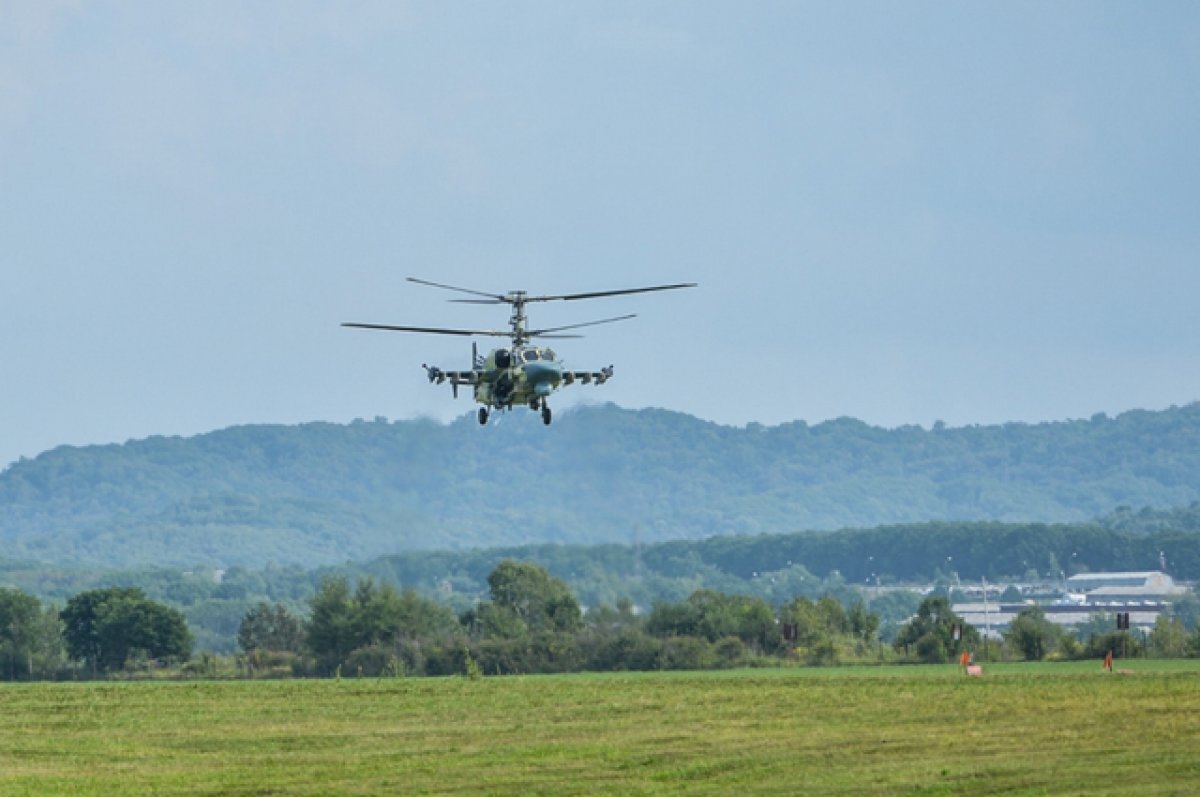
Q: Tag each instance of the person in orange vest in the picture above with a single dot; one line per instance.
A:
(1108, 661)
(964, 660)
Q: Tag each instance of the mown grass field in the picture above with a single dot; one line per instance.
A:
(1022, 729)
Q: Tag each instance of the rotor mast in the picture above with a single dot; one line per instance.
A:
(519, 336)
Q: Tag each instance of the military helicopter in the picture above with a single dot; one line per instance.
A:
(520, 374)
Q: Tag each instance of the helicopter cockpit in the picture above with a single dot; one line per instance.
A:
(533, 355)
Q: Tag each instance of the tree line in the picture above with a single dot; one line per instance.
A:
(530, 623)
(533, 623)
(848, 565)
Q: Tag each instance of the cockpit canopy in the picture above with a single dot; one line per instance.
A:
(533, 355)
(506, 358)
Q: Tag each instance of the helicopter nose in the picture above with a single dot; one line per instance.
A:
(543, 377)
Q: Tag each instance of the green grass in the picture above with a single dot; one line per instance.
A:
(1022, 729)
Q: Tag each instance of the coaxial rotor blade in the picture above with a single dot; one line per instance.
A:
(495, 297)
(431, 330)
(542, 332)
(598, 294)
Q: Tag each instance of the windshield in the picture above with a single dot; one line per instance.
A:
(530, 355)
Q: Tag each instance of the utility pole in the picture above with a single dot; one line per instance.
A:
(987, 620)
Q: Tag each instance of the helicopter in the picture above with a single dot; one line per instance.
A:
(521, 373)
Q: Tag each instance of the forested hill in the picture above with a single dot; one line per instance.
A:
(321, 493)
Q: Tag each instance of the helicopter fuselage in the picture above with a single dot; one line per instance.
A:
(511, 377)
(518, 376)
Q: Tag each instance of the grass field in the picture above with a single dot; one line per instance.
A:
(1021, 729)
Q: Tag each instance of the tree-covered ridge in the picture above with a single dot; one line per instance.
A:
(324, 493)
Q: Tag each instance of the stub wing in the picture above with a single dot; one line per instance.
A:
(588, 377)
(455, 378)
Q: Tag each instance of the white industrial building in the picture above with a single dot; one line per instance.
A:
(1143, 595)
(1148, 585)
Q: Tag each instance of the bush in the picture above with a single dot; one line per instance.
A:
(371, 662)
(823, 653)
(686, 653)
(931, 650)
(1122, 644)
(731, 652)
(629, 649)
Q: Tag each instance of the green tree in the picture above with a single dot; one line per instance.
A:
(80, 618)
(811, 628)
(714, 615)
(674, 619)
(1097, 624)
(270, 627)
(129, 625)
(374, 616)
(103, 627)
(541, 601)
(420, 618)
(893, 608)
(863, 624)
(1032, 634)
(330, 634)
(31, 642)
(929, 634)
(1121, 644)
(487, 620)
(605, 619)
(1169, 639)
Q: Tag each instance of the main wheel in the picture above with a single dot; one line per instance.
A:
(546, 414)
(483, 413)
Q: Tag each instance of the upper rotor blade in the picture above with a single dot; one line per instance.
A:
(598, 294)
(542, 332)
(493, 296)
(430, 330)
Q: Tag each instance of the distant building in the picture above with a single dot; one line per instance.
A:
(1143, 595)
(994, 619)
(1148, 585)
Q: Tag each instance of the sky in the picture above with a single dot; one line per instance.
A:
(906, 213)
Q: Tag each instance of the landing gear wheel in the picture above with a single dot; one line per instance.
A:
(483, 413)
(533, 404)
(546, 414)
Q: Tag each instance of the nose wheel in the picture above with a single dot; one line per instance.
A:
(483, 416)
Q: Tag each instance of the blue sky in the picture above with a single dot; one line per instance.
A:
(901, 212)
